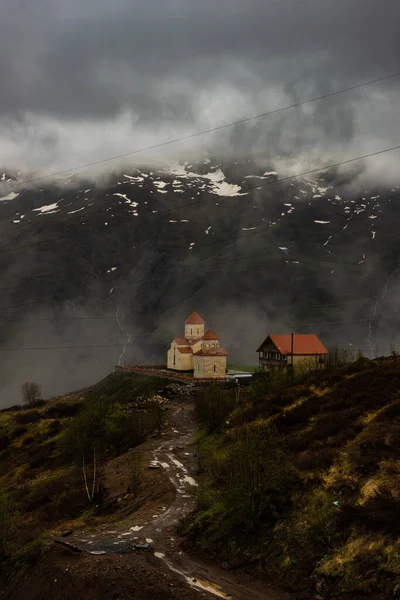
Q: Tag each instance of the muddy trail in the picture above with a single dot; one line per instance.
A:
(173, 456)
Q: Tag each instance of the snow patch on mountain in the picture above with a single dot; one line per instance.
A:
(160, 185)
(48, 209)
(75, 211)
(217, 179)
(10, 196)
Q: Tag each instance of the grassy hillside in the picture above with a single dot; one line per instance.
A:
(42, 449)
(306, 475)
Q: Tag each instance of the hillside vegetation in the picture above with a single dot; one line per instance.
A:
(304, 474)
(52, 458)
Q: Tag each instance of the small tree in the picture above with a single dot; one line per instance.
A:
(30, 392)
(213, 405)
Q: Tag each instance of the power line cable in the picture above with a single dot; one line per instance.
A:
(212, 129)
(209, 269)
(243, 191)
(150, 335)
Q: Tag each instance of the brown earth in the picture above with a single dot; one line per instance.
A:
(135, 551)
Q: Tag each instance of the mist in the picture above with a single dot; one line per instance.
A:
(82, 83)
(85, 82)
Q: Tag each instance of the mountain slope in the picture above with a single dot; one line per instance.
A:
(305, 475)
(123, 259)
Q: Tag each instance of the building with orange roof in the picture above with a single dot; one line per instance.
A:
(291, 351)
(198, 352)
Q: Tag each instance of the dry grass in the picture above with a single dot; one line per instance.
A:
(342, 430)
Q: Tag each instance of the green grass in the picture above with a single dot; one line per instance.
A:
(243, 368)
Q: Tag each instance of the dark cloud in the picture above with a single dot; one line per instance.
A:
(70, 68)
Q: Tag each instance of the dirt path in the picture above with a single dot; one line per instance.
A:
(173, 457)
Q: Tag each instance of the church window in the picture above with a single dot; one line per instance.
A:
(191, 331)
(198, 331)
(207, 346)
(215, 368)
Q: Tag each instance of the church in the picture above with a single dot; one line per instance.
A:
(198, 351)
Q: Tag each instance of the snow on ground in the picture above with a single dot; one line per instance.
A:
(160, 185)
(216, 178)
(49, 208)
(10, 196)
(123, 196)
(190, 480)
(75, 211)
(128, 201)
(227, 189)
(248, 228)
(322, 222)
(360, 262)
(137, 178)
(112, 269)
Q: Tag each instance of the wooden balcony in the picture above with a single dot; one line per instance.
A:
(274, 362)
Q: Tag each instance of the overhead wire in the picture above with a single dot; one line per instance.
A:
(214, 129)
(243, 190)
(155, 335)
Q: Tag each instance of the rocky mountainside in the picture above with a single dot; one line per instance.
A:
(99, 272)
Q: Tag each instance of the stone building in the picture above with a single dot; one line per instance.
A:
(198, 352)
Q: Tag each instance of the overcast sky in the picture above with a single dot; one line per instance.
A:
(84, 79)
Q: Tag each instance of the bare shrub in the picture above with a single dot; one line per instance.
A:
(30, 392)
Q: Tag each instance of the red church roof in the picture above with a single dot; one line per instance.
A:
(210, 335)
(303, 343)
(194, 319)
(181, 341)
